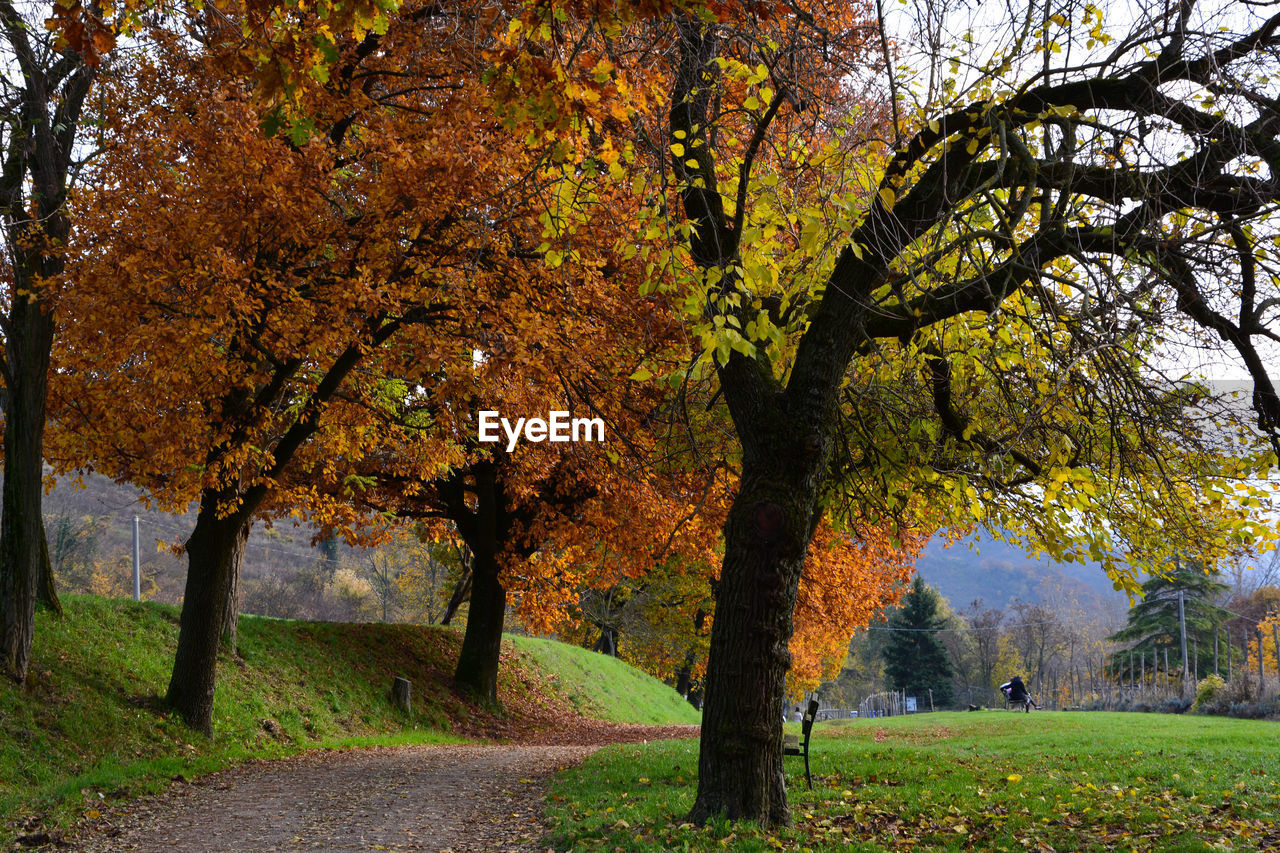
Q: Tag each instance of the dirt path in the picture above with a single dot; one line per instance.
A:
(427, 798)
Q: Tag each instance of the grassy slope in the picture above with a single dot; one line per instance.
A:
(88, 721)
(958, 781)
(605, 687)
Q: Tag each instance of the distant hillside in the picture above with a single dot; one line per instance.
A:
(999, 574)
(89, 523)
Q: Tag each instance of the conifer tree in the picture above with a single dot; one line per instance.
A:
(915, 659)
(1153, 621)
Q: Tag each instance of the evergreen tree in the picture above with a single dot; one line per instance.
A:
(915, 658)
(1153, 621)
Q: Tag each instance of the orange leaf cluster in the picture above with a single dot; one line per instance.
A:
(320, 312)
(846, 582)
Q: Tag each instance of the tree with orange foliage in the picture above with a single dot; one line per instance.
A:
(51, 58)
(279, 279)
(660, 622)
(846, 582)
(585, 523)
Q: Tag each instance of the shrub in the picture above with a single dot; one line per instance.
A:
(1261, 710)
(1240, 690)
(1210, 688)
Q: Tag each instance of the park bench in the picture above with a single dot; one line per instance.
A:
(1024, 704)
(791, 744)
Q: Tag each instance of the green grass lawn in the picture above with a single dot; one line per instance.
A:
(89, 722)
(959, 781)
(604, 687)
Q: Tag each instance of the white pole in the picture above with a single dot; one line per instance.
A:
(137, 563)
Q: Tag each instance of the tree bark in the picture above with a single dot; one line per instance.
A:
(22, 551)
(477, 669)
(214, 551)
(485, 530)
(231, 611)
(740, 771)
(768, 530)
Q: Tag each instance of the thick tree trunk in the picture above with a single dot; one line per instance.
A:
(482, 643)
(213, 556)
(485, 530)
(43, 115)
(22, 547)
(784, 455)
(740, 772)
(766, 535)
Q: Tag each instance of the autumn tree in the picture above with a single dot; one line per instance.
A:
(545, 522)
(846, 582)
(1266, 643)
(429, 579)
(658, 619)
(284, 262)
(1255, 606)
(542, 522)
(660, 622)
(357, 328)
(52, 56)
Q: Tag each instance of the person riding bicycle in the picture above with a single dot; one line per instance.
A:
(1015, 691)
